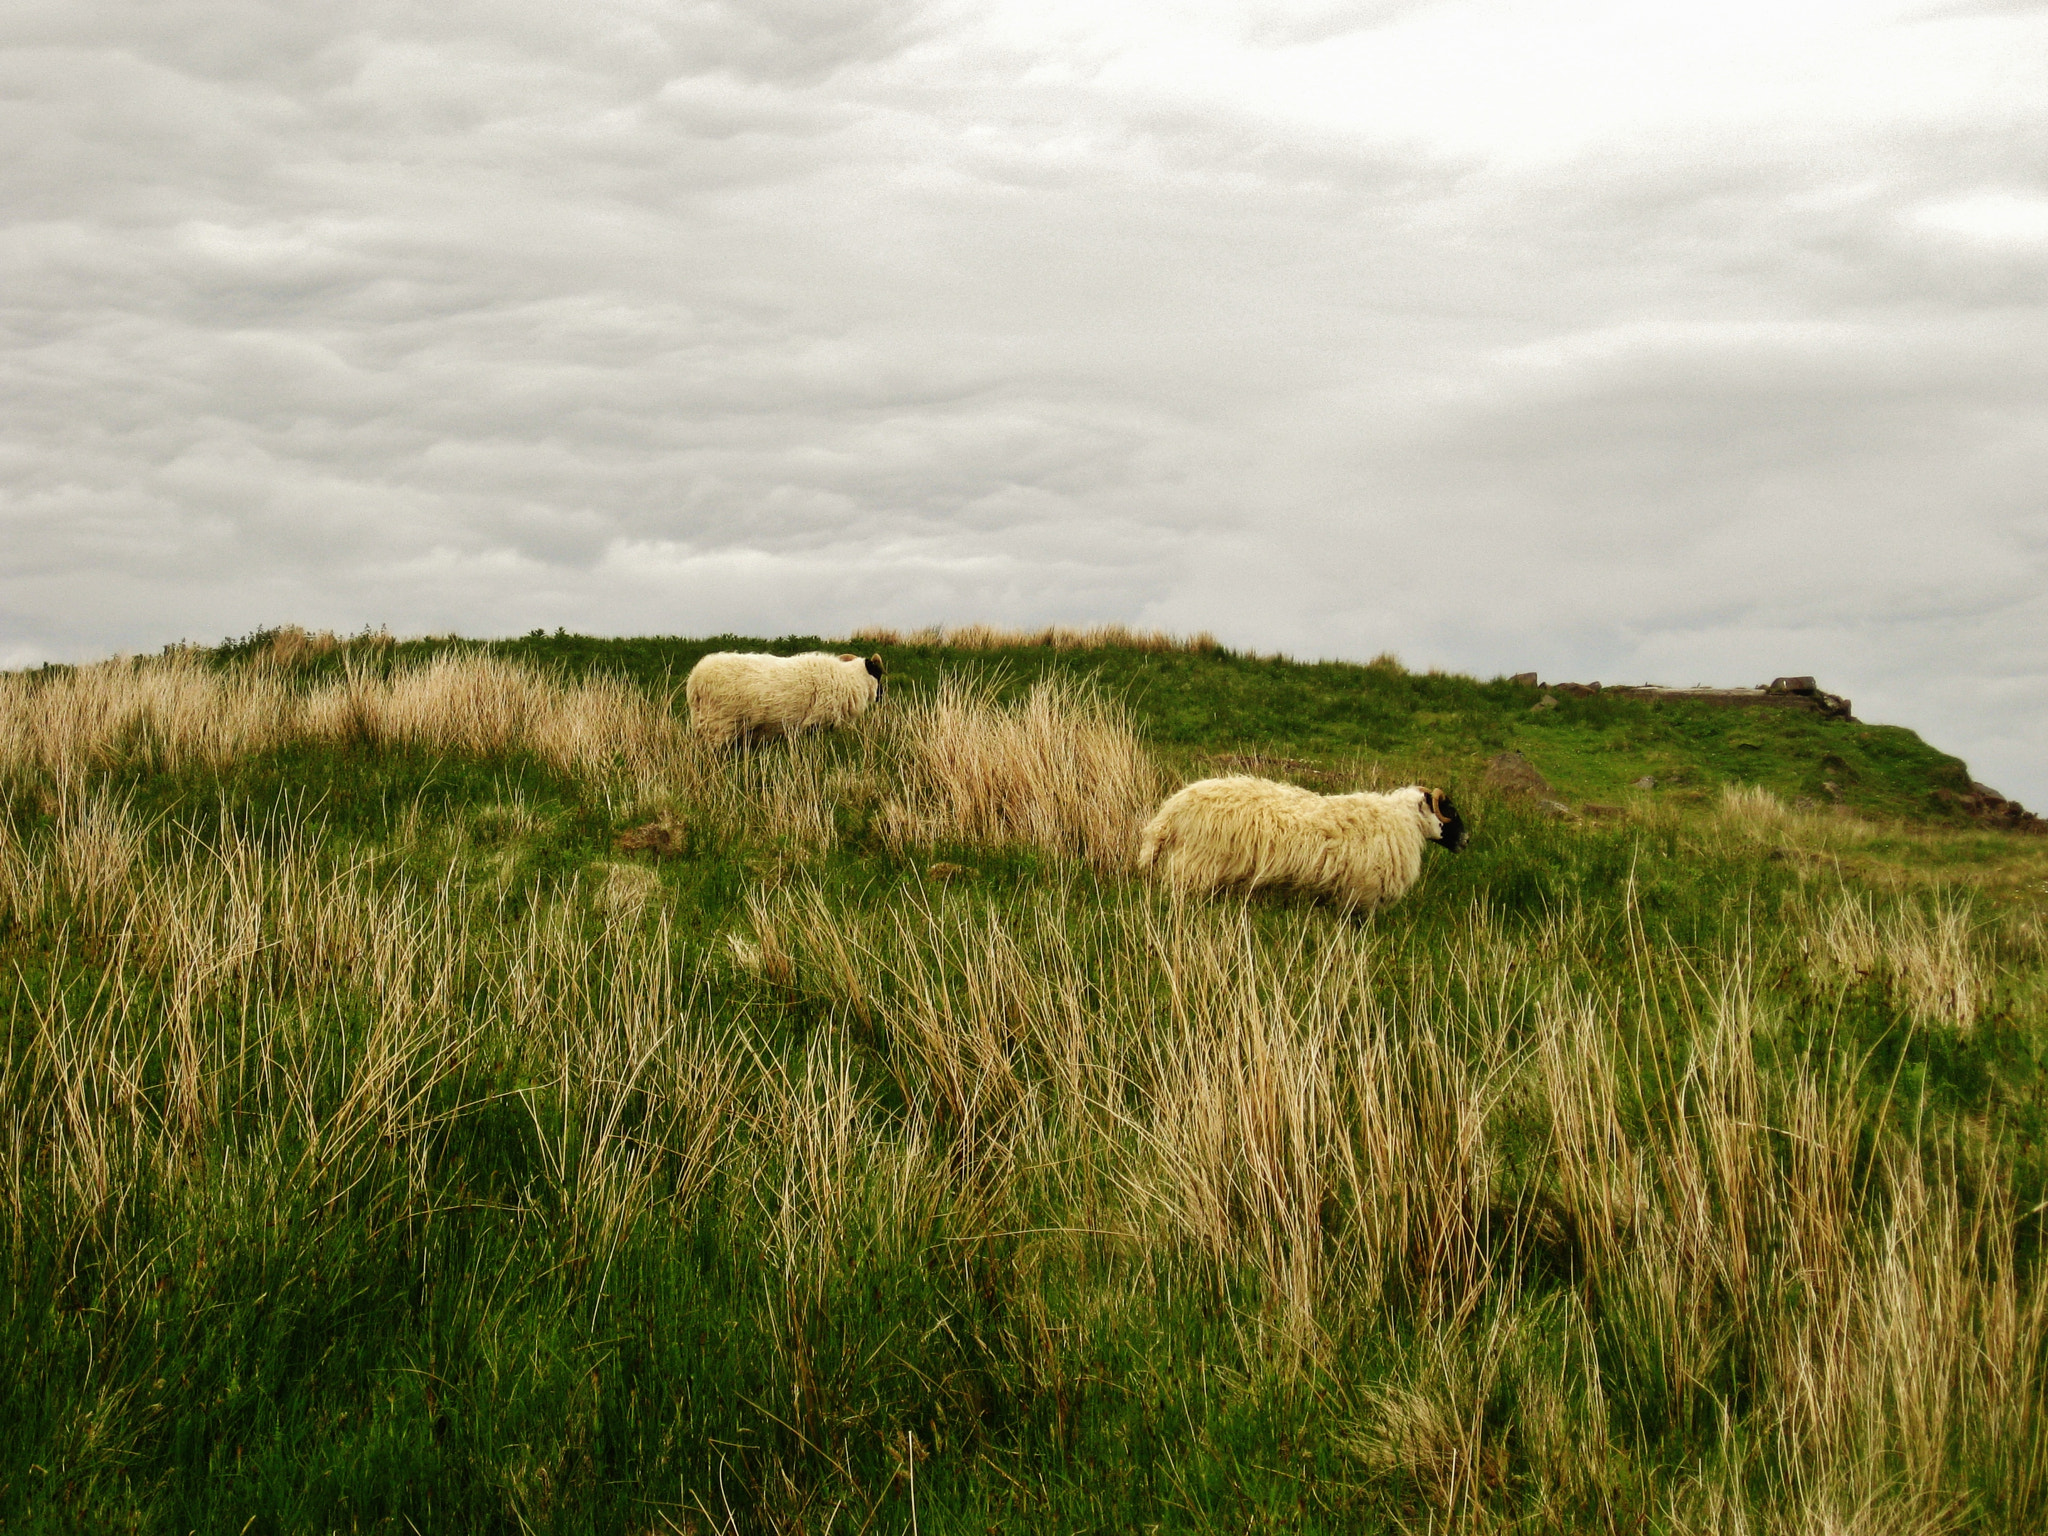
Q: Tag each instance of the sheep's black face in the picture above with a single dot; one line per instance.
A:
(874, 665)
(1450, 826)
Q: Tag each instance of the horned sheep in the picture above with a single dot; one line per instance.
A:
(743, 697)
(1360, 850)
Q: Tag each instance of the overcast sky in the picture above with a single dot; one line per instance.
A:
(1631, 341)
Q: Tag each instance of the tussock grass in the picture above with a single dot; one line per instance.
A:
(1752, 811)
(1063, 769)
(1925, 951)
(171, 711)
(291, 645)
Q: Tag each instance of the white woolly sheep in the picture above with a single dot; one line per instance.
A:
(1360, 850)
(739, 696)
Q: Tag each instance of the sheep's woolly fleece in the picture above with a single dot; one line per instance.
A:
(1361, 850)
(742, 696)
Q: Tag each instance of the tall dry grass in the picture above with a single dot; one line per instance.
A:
(1062, 769)
(1750, 813)
(1927, 951)
(167, 712)
(249, 982)
(292, 645)
(1367, 1141)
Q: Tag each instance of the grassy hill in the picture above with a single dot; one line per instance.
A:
(437, 1095)
(1205, 701)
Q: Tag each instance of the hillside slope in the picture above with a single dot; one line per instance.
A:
(438, 1095)
(1210, 703)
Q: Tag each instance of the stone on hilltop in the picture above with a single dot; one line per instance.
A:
(1513, 774)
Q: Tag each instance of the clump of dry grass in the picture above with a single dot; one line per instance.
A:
(1062, 769)
(666, 837)
(470, 702)
(623, 891)
(290, 645)
(1753, 812)
(1925, 952)
(169, 711)
(991, 637)
(164, 712)
(257, 955)
(1754, 809)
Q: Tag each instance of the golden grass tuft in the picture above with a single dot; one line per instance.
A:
(623, 891)
(1062, 769)
(291, 645)
(1926, 953)
(167, 712)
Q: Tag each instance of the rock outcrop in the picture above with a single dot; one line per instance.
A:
(1984, 804)
(1783, 693)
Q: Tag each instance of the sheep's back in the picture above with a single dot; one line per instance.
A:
(1231, 831)
(730, 692)
(1245, 833)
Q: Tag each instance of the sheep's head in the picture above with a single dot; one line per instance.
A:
(873, 667)
(1450, 826)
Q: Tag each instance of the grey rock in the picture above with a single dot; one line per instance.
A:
(1513, 774)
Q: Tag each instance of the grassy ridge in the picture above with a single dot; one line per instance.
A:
(1213, 701)
(385, 1147)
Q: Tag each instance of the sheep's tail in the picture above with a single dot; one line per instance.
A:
(1151, 846)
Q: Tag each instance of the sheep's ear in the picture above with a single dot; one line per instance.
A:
(874, 664)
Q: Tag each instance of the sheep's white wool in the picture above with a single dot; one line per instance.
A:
(1361, 850)
(739, 695)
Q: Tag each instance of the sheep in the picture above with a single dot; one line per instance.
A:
(1360, 850)
(738, 696)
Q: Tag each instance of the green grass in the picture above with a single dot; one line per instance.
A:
(435, 1193)
(1197, 704)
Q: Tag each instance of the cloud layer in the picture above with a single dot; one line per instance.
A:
(1586, 337)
